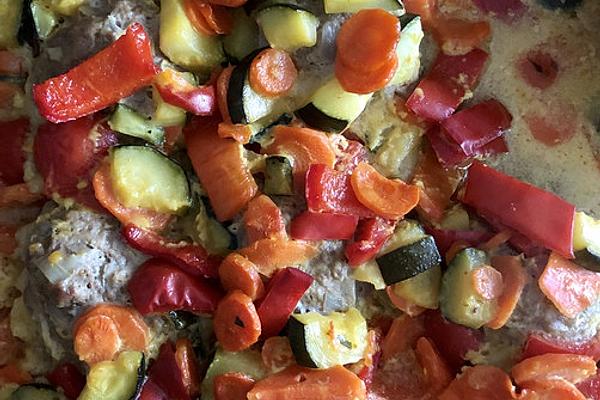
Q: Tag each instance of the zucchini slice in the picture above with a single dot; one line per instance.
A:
(121, 379)
(288, 27)
(143, 177)
(243, 40)
(323, 341)
(36, 392)
(408, 53)
(332, 109)
(369, 272)
(131, 123)
(423, 289)
(409, 261)
(44, 18)
(278, 176)
(458, 300)
(351, 6)
(586, 241)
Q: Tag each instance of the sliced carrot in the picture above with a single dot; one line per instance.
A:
(194, 14)
(573, 368)
(486, 281)
(436, 371)
(236, 322)
(271, 254)
(272, 73)
(305, 147)
(515, 279)
(138, 216)
(457, 36)
(436, 185)
(496, 241)
(12, 373)
(404, 305)
(455, 248)
(277, 353)
(551, 389)
(263, 219)
(8, 242)
(228, 3)
(365, 82)
(297, 383)
(403, 335)
(482, 382)
(222, 88)
(237, 272)
(188, 365)
(239, 132)
(17, 195)
(96, 339)
(217, 17)
(367, 41)
(232, 386)
(426, 9)
(568, 286)
(221, 167)
(389, 198)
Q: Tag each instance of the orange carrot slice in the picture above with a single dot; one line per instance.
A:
(194, 14)
(436, 371)
(457, 36)
(482, 382)
(271, 254)
(272, 73)
(403, 335)
(361, 82)
(238, 132)
(263, 219)
(217, 17)
(105, 195)
(514, 278)
(551, 389)
(97, 339)
(389, 198)
(277, 353)
(232, 386)
(573, 368)
(297, 383)
(487, 282)
(237, 272)
(236, 322)
(404, 305)
(568, 286)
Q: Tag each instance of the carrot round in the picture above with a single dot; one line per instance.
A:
(496, 241)
(457, 36)
(222, 88)
(551, 389)
(277, 353)
(402, 336)
(514, 278)
(573, 368)
(389, 198)
(232, 386)
(196, 17)
(481, 382)
(435, 369)
(237, 272)
(356, 81)
(236, 322)
(404, 305)
(272, 73)
(263, 219)
(367, 41)
(487, 282)
(272, 254)
(97, 339)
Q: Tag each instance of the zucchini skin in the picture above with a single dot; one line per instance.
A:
(409, 261)
(235, 91)
(317, 119)
(298, 343)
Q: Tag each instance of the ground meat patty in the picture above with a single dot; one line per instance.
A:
(74, 259)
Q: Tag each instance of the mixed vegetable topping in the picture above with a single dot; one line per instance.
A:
(242, 147)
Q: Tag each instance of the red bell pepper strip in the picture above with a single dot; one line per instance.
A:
(110, 75)
(323, 226)
(370, 236)
(536, 345)
(440, 93)
(331, 191)
(66, 154)
(445, 238)
(12, 156)
(590, 388)
(284, 291)
(477, 126)
(533, 212)
(352, 155)
(165, 377)
(68, 377)
(520, 242)
(452, 340)
(159, 286)
(191, 258)
(175, 90)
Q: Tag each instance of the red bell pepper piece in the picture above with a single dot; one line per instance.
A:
(520, 242)
(159, 286)
(351, 156)
(477, 126)
(191, 258)
(151, 391)
(539, 215)
(175, 90)
(537, 345)
(165, 378)
(369, 238)
(12, 157)
(590, 388)
(452, 340)
(65, 155)
(110, 75)
(331, 191)
(68, 377)
(323, 226)
(440, 93)
(284, 291)
(445, 238)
